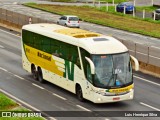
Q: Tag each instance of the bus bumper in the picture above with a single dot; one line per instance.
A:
(98, 98)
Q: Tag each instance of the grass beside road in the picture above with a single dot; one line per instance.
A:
(115, 1)
(93, 15)
(62, 0)
(109, 1)
(6, 104)
(147, 8)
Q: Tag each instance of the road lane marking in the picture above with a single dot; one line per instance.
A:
(139, 43)
(26, 104)
(38, 86)
(3, 69)
(9, 33)
(155, 47)
(83, 108)
(19, 77)
(59, 96)
(1, 46)
(142, 53)
(146, 80)
(149, 106)
(154, 57)
(132, 50)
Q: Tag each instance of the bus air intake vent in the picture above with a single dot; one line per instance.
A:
(100, 39)
(85, 35)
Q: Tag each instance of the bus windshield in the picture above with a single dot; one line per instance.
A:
(112, 71)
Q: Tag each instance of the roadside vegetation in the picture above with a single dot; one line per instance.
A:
(147, 8)
(115, 1)
(118, 20)
(62, 0)
(138, 8)
(109, 1)
(6, 104)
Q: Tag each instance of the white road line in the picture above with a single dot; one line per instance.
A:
(139, 43)
(9, 33)
(1, 46)
(107, 119)
(24, 103)
(37, 86)
(19, 77)
(3, 69)
(146, 80)
(155, 47)
(154, 57)
(132, 50)
(59, 96)
(149, 106)
(141, 53)
(83, 108)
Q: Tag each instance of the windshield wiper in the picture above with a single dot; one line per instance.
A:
(112, 77)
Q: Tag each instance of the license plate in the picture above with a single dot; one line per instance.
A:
(116, 98)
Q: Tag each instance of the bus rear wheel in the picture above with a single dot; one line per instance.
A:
(79, 93)
(40, 75)
(34, 72)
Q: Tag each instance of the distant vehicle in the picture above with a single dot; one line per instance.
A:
(91, 65)
(69, 21)
(129, 7)
(157, 14)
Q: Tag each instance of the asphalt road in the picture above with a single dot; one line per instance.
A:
(48, 97)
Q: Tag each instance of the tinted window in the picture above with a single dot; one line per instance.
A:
(73, 19)
(158, 11)
(65, 18)
(49, 45)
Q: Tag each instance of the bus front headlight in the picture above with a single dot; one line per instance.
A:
(131, 90)
(101, 93)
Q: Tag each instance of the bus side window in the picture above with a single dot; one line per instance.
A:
(46, 44)
(55, 48)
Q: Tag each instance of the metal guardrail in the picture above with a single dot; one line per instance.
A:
(144, 53)
(147, 54)
(18, 18)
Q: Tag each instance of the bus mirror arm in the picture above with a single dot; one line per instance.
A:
(135, 62)
(92, 67)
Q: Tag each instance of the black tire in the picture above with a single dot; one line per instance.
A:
(58, 23)
(79, 93)
(40, 76)
(34, 72)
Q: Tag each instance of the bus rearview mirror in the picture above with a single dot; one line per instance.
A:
(135, 62)
(92, 67)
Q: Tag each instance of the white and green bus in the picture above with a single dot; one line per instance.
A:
(91, 65)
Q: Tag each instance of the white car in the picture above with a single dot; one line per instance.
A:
(69, 21)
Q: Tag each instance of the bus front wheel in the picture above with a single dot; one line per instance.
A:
(40, 75)
(79, 93)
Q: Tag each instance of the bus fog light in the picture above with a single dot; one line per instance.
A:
(99, 99)
(131, 96)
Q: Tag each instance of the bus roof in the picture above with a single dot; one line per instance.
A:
(94, 43)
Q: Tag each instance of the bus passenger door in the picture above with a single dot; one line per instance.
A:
(89, 82)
